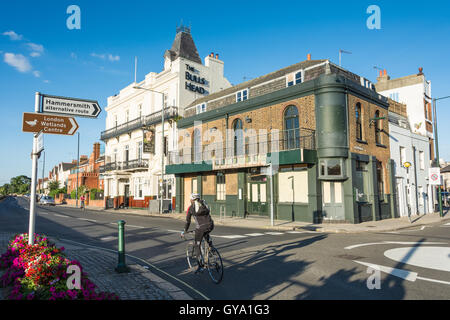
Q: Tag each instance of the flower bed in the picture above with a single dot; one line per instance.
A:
(39, 271)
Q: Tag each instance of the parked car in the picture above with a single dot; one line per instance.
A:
(46, 200)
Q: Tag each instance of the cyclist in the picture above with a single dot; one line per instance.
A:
(204, 223)
(82, 202)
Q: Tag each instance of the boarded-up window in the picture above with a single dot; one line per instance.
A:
(293, 186)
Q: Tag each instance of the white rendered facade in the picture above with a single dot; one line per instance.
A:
(414, 193)
(182, 81)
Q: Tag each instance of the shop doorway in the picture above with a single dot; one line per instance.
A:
(257, 201)
(333, 204)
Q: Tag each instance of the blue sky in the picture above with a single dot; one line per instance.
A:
(39, 53)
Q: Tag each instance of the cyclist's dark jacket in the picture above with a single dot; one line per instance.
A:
(202, 217)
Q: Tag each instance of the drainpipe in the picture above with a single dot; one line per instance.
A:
(415, 179)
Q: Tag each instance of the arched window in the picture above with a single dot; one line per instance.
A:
(238, 146)
(358, 119)
(378, 126)
(197, 143)
(291, 127)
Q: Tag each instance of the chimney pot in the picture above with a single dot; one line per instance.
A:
(420, 70)
(384, 72)
(381, 73)
(217, 56)
(308, 56)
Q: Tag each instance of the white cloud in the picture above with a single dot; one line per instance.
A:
(38, 49)
(73, 55)
(12, 35)
(37, 74)
(17, 61)
(113, 58)
(46, 81)
(108, 56)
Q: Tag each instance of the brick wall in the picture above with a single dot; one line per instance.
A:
(382, 153)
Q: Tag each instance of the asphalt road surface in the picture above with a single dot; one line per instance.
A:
(259, 264)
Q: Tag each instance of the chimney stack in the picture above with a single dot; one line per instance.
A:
(383, 76)
(96, 151)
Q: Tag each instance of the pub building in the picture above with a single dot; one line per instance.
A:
(322, 131)
(132, 172)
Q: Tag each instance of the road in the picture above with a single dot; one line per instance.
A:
(259, 264)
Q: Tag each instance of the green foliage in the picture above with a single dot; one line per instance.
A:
(81, 191)
(53, 185)
(20, 184)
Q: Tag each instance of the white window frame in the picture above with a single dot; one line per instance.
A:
(422, 160)
(293, 75)
(200, 108)
(241, 92)
(402, 152)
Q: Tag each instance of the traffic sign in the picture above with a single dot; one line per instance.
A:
(70, 106)
(434, 176)
(48, 123)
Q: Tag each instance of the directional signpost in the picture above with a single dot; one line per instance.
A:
(70, 106)
(52, 115)
(37, 122)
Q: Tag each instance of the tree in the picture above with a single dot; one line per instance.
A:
(20, 184)
(53, 185)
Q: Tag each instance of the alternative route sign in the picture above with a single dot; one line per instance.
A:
(70, 106)
(48, 123)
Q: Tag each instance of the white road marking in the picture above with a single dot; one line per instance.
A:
(437, 258)
(391, 242)
(132, 226)
(229, 237)
(295, 231)
(254, 234)
(43, 212)
(406, 275)
(447, 224)
(84, 219)
(108, 238)
(274, 233)
(59, 215)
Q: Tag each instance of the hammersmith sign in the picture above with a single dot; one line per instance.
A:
(70, 106)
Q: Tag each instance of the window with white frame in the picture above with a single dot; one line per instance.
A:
(220, 186)
(138, 185)
(200, 108)
(422, 160)
(402, 155)
(420, 195)
(294, 78)
(242, 95)
(139, 149)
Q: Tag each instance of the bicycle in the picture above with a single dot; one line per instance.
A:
(209, 257)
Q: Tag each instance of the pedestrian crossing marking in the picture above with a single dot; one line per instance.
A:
(274, 233)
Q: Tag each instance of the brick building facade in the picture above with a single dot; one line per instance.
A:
(322, 129)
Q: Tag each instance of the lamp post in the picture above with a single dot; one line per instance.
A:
(437, 149)
(162, 144)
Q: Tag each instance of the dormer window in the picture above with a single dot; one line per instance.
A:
(242, 95)
(294, 78)
(200, 108)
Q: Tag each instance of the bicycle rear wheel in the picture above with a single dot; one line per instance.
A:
(215, 265)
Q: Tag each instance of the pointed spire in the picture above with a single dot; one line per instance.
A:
(183, 46)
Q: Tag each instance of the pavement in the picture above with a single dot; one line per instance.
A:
(142, 284)
(280, 225)
(138, 284)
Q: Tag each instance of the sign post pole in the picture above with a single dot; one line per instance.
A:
(34, 158)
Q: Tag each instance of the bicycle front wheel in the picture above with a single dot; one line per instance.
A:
(190, 257)
(215, 266)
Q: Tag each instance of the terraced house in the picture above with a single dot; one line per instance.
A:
(321, 131)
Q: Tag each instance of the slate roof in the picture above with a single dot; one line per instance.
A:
(183, 46)
(256, 81)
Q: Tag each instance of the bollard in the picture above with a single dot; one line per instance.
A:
(121, 266)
